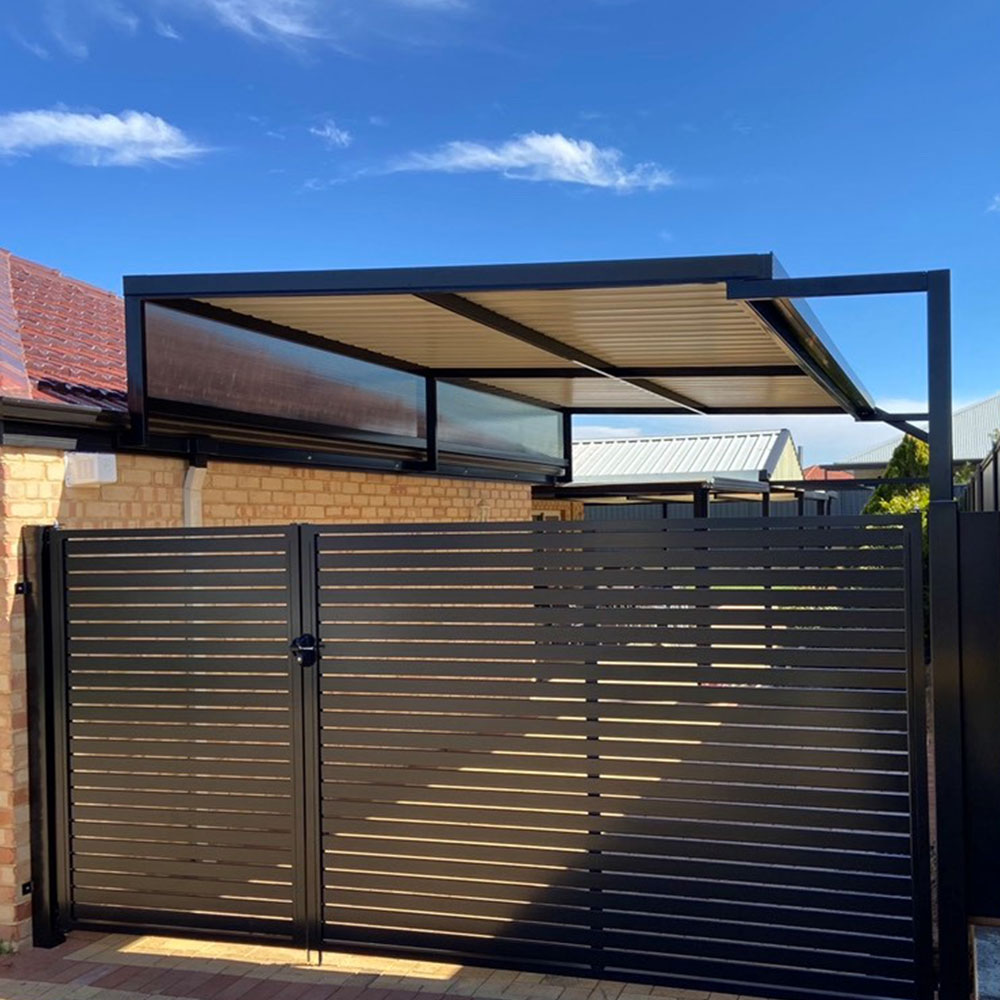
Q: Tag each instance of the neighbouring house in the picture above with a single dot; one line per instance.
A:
(821, 473)
(975, 429)
(737, 473)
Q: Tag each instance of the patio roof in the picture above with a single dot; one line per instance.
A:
(638, 336)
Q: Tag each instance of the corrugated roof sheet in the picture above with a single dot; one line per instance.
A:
(648, 459)
(61, 340)
(973, 430)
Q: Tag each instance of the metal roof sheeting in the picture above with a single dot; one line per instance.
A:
(698, 456)
(973, 430)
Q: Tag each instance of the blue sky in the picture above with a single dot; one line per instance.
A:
(174, 135)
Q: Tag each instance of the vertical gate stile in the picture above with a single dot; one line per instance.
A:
(305, 687)
(918, 755)
(60, 730)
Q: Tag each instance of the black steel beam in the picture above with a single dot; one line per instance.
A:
(518, 331)
(656, 411)
(833, 285)
(569, 274)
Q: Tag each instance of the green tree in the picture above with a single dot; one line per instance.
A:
(910, 460)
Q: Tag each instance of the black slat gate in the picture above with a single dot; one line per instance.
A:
(682, 753)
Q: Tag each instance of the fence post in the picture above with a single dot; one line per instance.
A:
(945, 649)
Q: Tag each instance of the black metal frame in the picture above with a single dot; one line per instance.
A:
(51, 760)
(443, 288)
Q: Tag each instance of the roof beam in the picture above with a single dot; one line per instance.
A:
(518, 331)
(639, 371)
(899, 282)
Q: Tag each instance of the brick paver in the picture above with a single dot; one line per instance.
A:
(124, 967)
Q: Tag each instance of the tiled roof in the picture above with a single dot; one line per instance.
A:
(738, 456)
(61, 340)
(974, 429)
(818, 472)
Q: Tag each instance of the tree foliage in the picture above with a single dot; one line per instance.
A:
(910, 460)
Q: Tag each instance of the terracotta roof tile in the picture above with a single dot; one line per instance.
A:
(61, 340)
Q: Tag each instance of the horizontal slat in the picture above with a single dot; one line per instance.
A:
(87, 832)
(563, 811)
(193, 681)
(86, 766)
(600, 636)
(795, 733)
(893, 678)
(179, 646)
(186, 631)
(195, 785)
(122, 660)
(600, 695)
(628, 616)
(193, 591)
(146, 896)
(181, 752)
(125, 698)
(607, 557)
(142, 562)
(625, 595)
(207, 819)
(80, 584)
(715, 706)
(208, 716)
(90, 851)
(663, 533)
(241, 615)
(503, 775)
(749, 851)
(354, 649)
(272, 805)
(229, 731)
(642, 578)
(175, 543)
(349, 745)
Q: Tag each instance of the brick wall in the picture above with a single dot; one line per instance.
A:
(148, 493)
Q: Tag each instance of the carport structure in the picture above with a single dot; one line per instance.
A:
(478, 371)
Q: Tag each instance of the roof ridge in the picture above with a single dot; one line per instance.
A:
(61, 275)
(676, 437)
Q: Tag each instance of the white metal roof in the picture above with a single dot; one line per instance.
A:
(973, 431)
(649, 459)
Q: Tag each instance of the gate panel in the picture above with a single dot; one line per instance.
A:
(180, 737)
(677, 753)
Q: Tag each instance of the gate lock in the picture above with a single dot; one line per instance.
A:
(304, 648)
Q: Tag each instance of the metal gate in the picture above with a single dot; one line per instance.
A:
(675, 753)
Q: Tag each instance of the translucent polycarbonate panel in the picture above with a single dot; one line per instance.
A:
(483, 421)
(202, 362)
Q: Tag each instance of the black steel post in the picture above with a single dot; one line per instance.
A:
(135, 356)
(44, 833)
(701, 499)
(945, 654)
(431, 423)
(567, 446)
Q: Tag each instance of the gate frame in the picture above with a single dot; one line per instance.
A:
(50, 761)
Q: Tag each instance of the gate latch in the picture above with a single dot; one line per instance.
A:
(304, 648)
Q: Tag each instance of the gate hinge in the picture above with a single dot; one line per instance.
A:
(22, 587)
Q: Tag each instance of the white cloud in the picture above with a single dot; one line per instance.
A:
(288, 20)
(543, 157)
(166, 30)
(994, 205)
(332, 135)
(128, 139)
